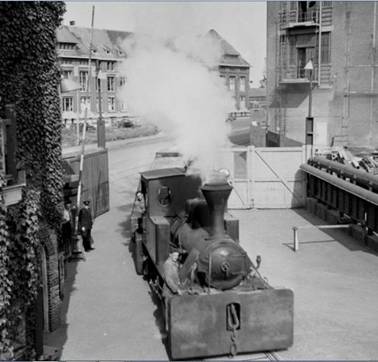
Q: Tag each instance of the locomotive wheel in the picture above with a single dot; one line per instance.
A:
(138, 254)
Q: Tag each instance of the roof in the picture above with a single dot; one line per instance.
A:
(105, 43)
(230, 56)
(163, 173)
(64, 35)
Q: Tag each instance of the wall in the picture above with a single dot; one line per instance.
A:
(354, 115)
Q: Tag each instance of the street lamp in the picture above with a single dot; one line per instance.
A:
(309, 127)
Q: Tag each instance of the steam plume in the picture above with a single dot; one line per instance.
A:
(174, 83)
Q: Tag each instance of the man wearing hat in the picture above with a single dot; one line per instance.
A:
(85, 226)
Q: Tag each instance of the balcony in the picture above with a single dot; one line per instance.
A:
(299, 19)
(298, 75)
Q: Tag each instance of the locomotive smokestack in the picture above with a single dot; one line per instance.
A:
(216, 195)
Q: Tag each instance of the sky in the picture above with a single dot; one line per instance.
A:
(242, 24)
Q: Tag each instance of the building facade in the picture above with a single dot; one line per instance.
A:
(234, 70)
(73, 53)
(107, 53)
(340, 40)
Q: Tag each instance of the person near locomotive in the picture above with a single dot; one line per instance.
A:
(171, 274)
(85, 226)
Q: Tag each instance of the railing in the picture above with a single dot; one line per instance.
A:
(297, 17)
(349, 191)
(298, 72)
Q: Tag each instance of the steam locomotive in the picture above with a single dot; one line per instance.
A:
(222, 305)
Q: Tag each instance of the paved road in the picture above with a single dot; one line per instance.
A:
(109, 313)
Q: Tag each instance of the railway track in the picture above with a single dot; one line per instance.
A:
(264, 356)
(272, 356)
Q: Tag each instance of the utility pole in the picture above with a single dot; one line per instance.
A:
(77, 250)
(100, 122)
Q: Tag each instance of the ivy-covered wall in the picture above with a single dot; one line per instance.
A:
(29, 78)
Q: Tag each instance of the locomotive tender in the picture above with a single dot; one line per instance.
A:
(222, 305)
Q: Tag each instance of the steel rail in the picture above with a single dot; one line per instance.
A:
(355, 190)
(355, 175)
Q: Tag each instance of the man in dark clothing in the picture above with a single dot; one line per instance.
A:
(85, 226)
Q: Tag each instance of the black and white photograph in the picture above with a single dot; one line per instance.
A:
(188, 180)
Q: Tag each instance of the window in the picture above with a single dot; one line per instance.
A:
(109, 65)
(122, 81)
(326, 48)
(292, 5)
(67, 74)
(111, 84)
(98, 84)
(292, 52)
(242, 84)
(231, 83)
(85, 104)
(66, 46)
(67, 61)
(83, 76)
(111, 104)
(327, 3)
(67, 104)
(122, 106)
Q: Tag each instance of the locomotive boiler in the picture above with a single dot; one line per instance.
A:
(222, 305)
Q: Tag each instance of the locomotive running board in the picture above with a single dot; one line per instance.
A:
(199, 324)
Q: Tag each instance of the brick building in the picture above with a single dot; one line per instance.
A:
(235, 71)
(73, 50)
(340, 39)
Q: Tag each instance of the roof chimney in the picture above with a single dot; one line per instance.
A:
(72, 22)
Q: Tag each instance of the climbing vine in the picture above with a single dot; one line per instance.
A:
(29, 78)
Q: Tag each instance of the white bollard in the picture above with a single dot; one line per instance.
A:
(295, 236)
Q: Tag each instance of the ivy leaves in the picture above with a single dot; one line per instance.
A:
(29, 77)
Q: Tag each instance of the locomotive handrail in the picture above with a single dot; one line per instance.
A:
(355, 190)
(358, 176)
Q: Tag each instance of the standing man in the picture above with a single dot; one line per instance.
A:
(85, 226)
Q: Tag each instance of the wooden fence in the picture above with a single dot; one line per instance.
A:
(95, 178)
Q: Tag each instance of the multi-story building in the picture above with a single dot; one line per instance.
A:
(107, 53)
(73, 54)
(235, 71)
(340, 40)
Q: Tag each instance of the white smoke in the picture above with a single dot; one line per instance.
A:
(174, 82)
